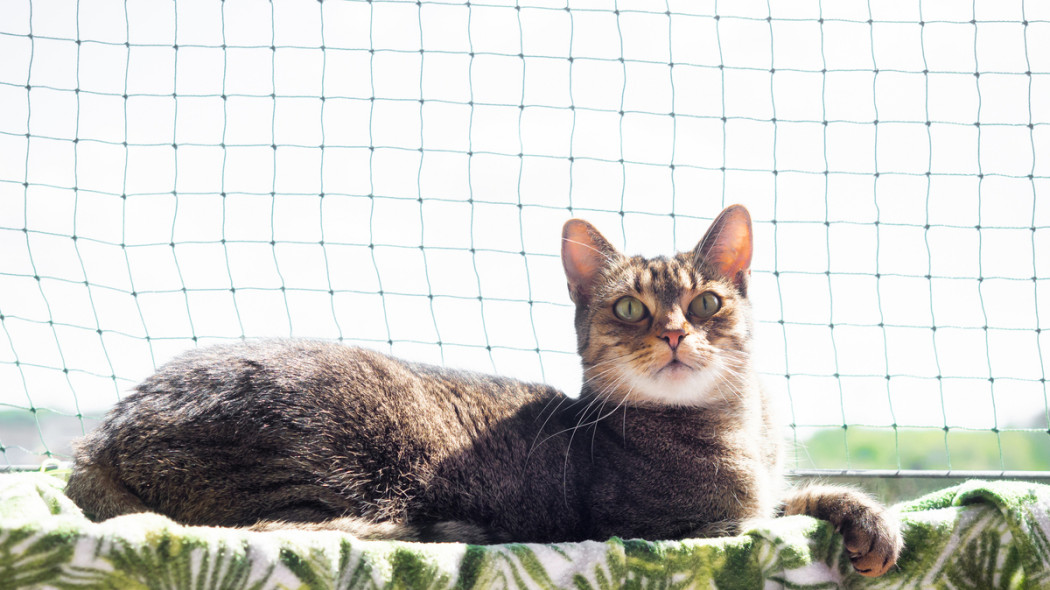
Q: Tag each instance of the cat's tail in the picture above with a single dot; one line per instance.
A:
(98, 491)
(448, 531)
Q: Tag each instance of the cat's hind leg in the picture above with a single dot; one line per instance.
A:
(98, 491)
(871, 535)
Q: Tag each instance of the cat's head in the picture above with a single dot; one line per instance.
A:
(667, 331)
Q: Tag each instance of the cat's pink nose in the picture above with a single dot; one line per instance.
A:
(673, 337)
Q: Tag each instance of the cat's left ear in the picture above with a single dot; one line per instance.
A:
(584, 253)
(726, 247)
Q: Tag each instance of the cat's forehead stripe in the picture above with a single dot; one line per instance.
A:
(661, 278)
(670, 283)
(687, 276)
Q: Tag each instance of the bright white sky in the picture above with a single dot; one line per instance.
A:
(423, 101)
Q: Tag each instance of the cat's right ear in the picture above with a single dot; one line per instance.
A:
(584, 253)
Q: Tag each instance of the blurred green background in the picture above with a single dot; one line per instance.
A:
(1024, 448)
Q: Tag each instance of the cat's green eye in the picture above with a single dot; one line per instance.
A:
(706, 305)
(630, 309)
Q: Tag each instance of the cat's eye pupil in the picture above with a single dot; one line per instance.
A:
(629, 309)
(706, 305)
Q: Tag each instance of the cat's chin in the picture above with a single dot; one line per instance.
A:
(678, 384)
(676, 370)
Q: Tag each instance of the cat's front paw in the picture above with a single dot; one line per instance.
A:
(873, 540)
(871, 534)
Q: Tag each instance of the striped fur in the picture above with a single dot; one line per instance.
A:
(671, 436)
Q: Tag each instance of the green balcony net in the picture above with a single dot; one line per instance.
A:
(395, 175)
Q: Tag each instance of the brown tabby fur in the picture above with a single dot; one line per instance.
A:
(672, 435)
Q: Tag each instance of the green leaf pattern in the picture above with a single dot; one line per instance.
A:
(979, 535)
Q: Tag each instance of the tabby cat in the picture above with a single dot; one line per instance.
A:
(670, 437)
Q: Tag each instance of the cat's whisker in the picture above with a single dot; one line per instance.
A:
(533, 446)
(735, 355)
(601, 395)
(732, 390)
(624, 425)
(720, 390)
(623, 376)
(737, 366)
(732, 386)
(617, 361)
(618, 406)
(594, 431)
(544, 409)
(581, 424)
(568, 448)
(598, 398)
(614, 365)
(582, 414)
(604, 399)
(602, 374)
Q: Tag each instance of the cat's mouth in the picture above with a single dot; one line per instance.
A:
(675, 368)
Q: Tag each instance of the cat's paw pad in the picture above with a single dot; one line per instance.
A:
(873, 540)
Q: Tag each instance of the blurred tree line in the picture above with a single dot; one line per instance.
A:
(1013, 449)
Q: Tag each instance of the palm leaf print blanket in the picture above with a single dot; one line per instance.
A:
(975, 535)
